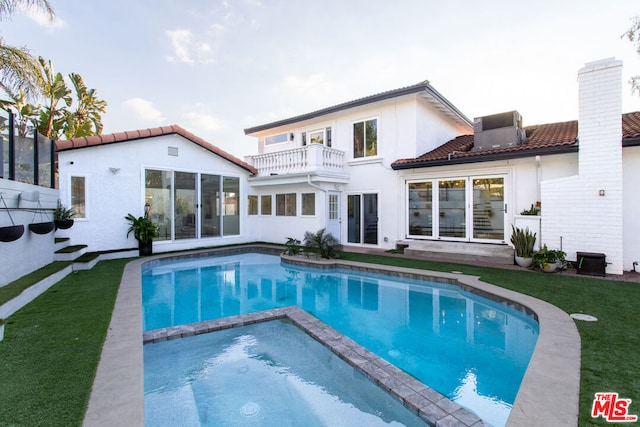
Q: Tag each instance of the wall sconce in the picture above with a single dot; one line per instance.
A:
(601, 192)
(291, 136)
(114, 170)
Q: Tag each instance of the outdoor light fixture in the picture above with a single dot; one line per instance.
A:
(291, 136)
(114, 170)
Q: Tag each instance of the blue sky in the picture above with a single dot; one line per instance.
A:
(216, 67)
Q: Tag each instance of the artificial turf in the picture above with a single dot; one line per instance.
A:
(52, 346)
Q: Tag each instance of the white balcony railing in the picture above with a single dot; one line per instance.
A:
(314, 158)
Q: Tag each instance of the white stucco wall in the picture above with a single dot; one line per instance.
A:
(31, 251)
(111, 196)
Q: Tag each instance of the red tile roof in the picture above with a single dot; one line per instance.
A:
(90, 141)
(541, 139)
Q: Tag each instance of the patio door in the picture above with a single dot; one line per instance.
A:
(362, 218)
(489, 209)
(333, 214)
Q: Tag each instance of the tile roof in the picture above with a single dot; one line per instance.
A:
(435, 98)
(551, 138)
(91, 141)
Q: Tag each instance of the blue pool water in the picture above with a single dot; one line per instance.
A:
(469, 348)
(265, 374)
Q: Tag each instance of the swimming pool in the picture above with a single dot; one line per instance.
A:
(473, 350)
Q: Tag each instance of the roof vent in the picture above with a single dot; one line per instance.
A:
(498, 131)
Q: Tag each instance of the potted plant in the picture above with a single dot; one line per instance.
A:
(524, 243)
(63, 217)
(144, 230)
(549, 260)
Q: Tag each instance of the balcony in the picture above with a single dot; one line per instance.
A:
(322, 162)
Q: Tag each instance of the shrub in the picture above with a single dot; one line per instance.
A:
(293, 246)
(322, 243)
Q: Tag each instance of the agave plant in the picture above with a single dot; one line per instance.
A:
(321, 242)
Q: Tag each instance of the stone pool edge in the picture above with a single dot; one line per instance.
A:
(549, 393)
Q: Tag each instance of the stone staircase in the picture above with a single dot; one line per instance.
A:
(463, 251)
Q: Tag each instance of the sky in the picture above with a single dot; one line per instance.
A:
(216, 67)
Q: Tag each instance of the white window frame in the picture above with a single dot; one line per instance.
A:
(302, 197)
(271, 139)
(366, 157)
(86, 193)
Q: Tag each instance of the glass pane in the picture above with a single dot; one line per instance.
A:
(24, 159)
(308, 204)
(157, 195)
(317, 137)
(452, 199)
(290, 204)
(210, 200)
(333, 206)
(44, 161)
(372, 137)
(488, 208)
(420, 209)
(252, 205)
(185, 205)
(231, 206)
(353, 218)
(265, 205)
(78, 201)
(370, 218)
(358, 140)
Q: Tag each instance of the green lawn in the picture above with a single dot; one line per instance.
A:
(52, 346)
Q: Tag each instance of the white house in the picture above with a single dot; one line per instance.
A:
(191, 189)
(403, 167)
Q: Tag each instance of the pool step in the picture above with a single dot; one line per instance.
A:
(463, 251)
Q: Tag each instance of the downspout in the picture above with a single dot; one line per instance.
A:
(538, 177)
(314, 185)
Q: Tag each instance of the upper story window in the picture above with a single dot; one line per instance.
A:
(276, 139)
(320, 136)
(365, 138)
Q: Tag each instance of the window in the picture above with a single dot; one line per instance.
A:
(286, 204)
(308, 203)
(365, 138)
(252, 205)
(157, 194)
(276, 139)
(265, 205)
(230, 206)
(321, 136)
(78, 196)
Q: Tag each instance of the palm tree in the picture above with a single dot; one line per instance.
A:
(54, 90)
(18, 68)
(86, 120)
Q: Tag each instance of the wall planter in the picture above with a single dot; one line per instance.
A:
(11, 233)
(42, 227)
(63, 224)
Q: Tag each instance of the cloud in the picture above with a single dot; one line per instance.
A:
(145, 110)
(42, 19)
(203, 122)
(188, 50)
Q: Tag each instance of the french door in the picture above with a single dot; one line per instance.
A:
(362, 218)
(471, 208)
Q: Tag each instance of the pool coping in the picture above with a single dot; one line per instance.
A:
(549, 393)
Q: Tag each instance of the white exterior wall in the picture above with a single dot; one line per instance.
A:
(31, 251)
(433, 130)
(583, 213)
(111, 196)
(277, 229)
(631, 207)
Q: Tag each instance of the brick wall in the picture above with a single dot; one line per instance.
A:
(583, 213)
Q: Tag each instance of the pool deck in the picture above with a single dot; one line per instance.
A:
(548, 395)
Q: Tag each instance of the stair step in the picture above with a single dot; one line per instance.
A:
(463, 251)
(69, 253)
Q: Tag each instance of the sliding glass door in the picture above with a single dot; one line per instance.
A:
(362, 218)
(471, 208)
